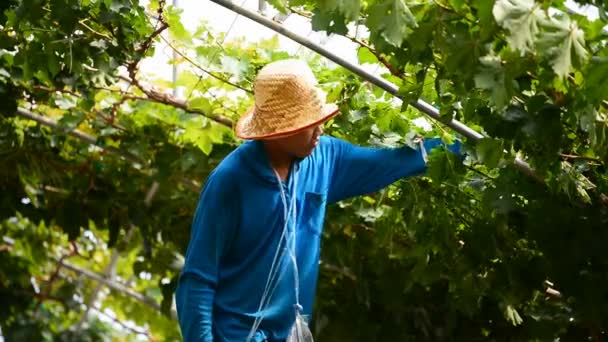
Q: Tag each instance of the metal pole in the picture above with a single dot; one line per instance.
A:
(175, 69)
(262, 7)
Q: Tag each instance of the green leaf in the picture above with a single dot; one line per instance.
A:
(71, 120)
(596, 82)
(200, 139)
(65, 102)
(234, 66)
(188, 161)
(458, 246)
(53, 64)
(521, 18)
(100, 44)
(490, 151)
(587, 119)
(349, 9)
(366, 56)
(4, 74)
(176, 28)
(202, 104)
(562, 41)
(392, 19)
(118, 5)
(331, 22)
(582, 192)
(411, 91)
(279, 5)
(370, 214)
(208, 53)
(457, 4)
(484, 8)
(188, 80)
(491, 77)
(444, 166)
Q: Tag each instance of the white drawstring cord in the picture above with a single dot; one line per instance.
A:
(274, 268)
(425, 156)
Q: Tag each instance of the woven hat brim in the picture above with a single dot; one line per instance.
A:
(329, 111)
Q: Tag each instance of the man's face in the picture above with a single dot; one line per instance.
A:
(301, 144)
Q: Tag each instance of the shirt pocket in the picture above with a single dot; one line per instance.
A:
(313, 213)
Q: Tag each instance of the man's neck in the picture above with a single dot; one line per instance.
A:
(279, 160)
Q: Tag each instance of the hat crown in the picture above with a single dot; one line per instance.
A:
(286, 100)
(285, 81)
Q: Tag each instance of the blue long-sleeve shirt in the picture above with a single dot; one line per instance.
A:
(238, 224)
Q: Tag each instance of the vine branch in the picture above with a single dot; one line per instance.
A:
(119, 322)
(116, 287)
(47, 291)
(145, 46)
(102, 35)
(155, 95)
(168, 99)
(576, 157)
(107, 119)
(79, 135)
(378, 55)
(340, 270)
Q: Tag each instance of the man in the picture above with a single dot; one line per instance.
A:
(252, 264)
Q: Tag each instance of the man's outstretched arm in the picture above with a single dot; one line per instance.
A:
(360, 170)
(214, 223)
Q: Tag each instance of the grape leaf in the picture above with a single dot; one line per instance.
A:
(597, 82)
(71, 120)
(491, 77)
(366, 56)
(392, 19)
(444, 246)
(484, 8)
(490, 151)
(176, 28)
(444, 166)
(200, 138)
(237, 68)
(457, 4)
(562, 40)
(202, 104)
(521, 18)
(279, 5)
(332, 22)
(348, 8)
(4, 74)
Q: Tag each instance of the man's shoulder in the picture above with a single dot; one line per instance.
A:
(237, 164)
(329, 146)
(328, 141)
(231, 165)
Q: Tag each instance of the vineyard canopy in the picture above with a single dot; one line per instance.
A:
(103, 152)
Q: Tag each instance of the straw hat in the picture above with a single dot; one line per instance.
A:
(287, 101)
